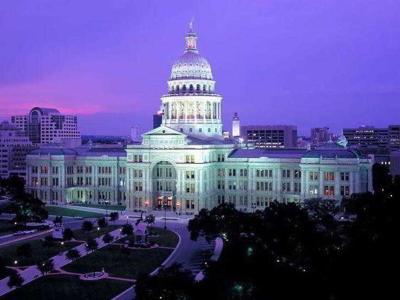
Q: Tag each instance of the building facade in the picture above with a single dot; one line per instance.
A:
(270, 136)
(186, 164)
(14, 146)
(49, 126)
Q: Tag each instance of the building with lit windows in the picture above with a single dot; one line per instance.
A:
(186, 164)
(49, 126)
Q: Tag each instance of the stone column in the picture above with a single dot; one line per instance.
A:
(321, 184)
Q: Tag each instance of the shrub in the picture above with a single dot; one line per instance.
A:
(114, 216)
(127, 229)
(73, 254)
(102, 222)
(87, 226)
(68, 234)
(15, 280)
(46, 266)
(91, 245)
(107, 238)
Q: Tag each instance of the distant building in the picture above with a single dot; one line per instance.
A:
(367, 137)
(157, 119)
(14, 146)
(49, 126)
(320, 135)
(395, 163)
(270, 136)
(235, 126)
(135, 134)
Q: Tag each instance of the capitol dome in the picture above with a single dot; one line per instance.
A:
(191, 65)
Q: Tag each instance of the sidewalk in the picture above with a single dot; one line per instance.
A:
(32, 273)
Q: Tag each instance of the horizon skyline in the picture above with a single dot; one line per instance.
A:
(302, 63)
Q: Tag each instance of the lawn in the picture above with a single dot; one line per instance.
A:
(83, 235)
(128, 263)
(68, 212)
(165, 238)
(6, 227)
(69, 287)
(107, 207)
(39, 254)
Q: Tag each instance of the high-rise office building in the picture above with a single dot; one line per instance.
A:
(270, 136)
(14, 146)
(157, 119)
(48, 126)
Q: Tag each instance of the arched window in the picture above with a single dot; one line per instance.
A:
(198, 88)
(177, 89)
(204, 88)
(184, 88)
(191, 88)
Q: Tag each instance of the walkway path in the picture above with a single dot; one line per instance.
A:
(31, 273)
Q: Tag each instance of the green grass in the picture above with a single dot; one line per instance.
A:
(68, 212)
(6, 227)
(69, 287)
(40, 253)
(85, 235)
(118, 263)
(107, 207)
(165, 238)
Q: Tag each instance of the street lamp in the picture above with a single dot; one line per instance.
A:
(165, 212)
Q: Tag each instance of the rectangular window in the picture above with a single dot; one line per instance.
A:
(329, 190)
(344, 176)
(329, 176)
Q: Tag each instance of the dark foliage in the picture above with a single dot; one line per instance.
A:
(68, 234)
(73, 254)
(107, 238)
(114, 216)
(87, 226)
(46, 267)
(91, 245)
(15, 280)
(127, 229)
(101, 222)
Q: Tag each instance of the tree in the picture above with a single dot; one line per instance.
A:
(87, 226)
(68, 234)
(114, 216)
(107, 238)
(127, 229)
(169, 283)
(91, 245)
(24, 250)
(73, 254)
(15, 280)
(101, 222)
(46, 267)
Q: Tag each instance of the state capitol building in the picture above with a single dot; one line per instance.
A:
(187, 164)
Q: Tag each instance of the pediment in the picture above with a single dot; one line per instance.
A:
(164, 137)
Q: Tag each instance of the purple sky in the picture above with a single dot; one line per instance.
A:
(304, 62)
